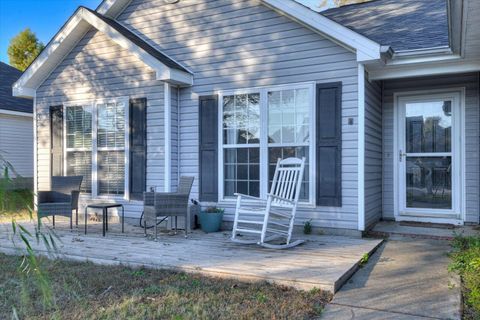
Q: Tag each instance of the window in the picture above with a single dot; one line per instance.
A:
(97, 143)
(79, 144)
(258, 127)
(111, 148)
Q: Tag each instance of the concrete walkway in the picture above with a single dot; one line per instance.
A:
(405, 279)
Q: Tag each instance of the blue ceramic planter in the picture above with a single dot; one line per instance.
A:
(210, 221)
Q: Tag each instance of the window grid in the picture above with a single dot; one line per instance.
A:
(300, 115)
(96, 143)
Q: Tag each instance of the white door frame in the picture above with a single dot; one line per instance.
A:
(457, 214)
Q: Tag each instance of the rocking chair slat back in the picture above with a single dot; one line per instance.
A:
(284, 195)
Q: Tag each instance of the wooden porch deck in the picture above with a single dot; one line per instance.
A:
(324, 262)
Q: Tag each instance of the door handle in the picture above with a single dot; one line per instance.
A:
(401, 155)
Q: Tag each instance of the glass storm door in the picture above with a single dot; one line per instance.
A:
(429, 155)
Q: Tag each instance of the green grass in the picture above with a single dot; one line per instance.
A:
(466, 262)
(88, 291)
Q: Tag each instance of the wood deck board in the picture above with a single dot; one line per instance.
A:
(323, 261)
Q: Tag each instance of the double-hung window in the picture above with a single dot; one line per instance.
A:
(97, 146)
(258, 126)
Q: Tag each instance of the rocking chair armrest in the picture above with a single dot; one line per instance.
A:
(247, 197)
(281, 198)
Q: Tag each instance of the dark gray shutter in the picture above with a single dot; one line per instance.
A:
(56, 140)
(138, 148)
(329, 144)
(208, 156)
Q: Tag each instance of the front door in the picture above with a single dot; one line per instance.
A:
(429, 156)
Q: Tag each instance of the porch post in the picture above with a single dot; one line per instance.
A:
(35, 162)
(167, 137)
(361, 147)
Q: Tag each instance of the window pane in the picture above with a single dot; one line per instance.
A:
(242, 171)
(79, 127)
(79, 163)
(299, 152)
(241, 119)
(111, 172)
(289, 116)
(111, 125)
(429, 182)
(429, 126)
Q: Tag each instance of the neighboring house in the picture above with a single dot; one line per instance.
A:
(382, 99)
(16, 128)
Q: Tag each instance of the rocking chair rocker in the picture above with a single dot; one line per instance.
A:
(272, 218)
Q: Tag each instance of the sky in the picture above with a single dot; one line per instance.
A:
(44, 18)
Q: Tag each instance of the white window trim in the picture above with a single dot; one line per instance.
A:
(263, 145)
(92, 106)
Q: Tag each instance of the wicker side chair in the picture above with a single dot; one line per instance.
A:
(168, 204)
(61, 200)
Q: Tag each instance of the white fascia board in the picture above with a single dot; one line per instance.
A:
(424, 69)
(24, 87)
(366, 49)
(112, 8)
(23, 91)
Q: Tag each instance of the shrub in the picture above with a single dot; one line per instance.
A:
(466, 262)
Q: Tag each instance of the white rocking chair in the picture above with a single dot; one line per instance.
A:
(272, 218)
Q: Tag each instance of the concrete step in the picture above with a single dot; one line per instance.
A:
(409, 230)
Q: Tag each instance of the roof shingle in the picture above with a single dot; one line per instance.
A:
(401, 24)
(8, 76)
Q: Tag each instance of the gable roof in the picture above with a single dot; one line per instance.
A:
(74, 30)
(160, 56)
(8, 75)
(403, 25)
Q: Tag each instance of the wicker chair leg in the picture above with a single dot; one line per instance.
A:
(156, 229)
(144, 223)
(76, 217)
(71, 222)
(175, 224)
(53, 221)
(186, 228)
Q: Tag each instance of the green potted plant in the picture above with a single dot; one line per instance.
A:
(211, 219)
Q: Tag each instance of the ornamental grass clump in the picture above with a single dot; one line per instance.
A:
(466, 262)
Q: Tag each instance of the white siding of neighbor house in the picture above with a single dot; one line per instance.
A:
(16, 142)
(98, 68)
(373, 152)
(240, 44)
(472, 118)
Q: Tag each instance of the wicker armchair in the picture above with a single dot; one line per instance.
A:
(167, 204)
(61, 200)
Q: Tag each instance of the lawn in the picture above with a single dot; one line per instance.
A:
(466, 262)
(87, 291)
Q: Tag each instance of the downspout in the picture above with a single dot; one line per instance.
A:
(361, 147)
(167, 137)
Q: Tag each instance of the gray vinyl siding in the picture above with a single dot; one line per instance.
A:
(241, 44)
(471, 83)
(90, 72)
(373, 152)
(16, 143)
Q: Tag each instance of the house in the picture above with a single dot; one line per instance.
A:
(16, 128)
(382, 98)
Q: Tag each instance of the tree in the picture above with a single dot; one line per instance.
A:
(23, 49)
